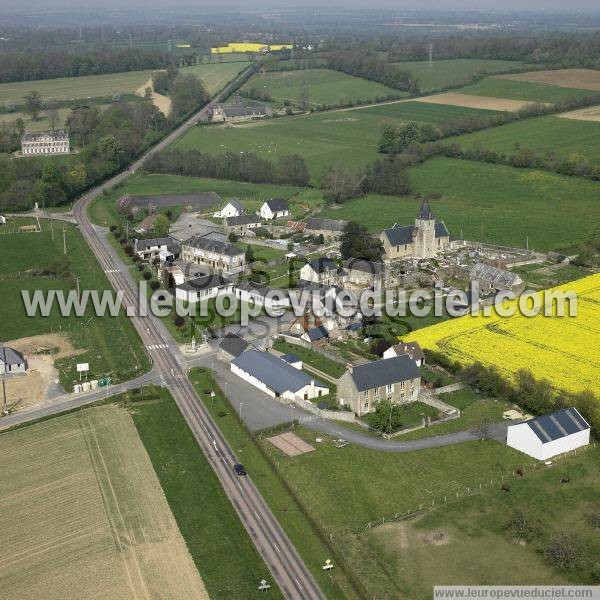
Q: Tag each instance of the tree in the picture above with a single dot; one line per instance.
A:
(249, 254)
(387, 417)
(482, 428)
(357, 242)
(341, 182)
(33, 104)
(110, 150)
(20, 126)
(161, 226)
(292, 169)
(53, 116)
(304, 96)
(148, 93)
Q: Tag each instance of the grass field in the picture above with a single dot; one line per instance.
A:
(445, 73)
(552, 348)
(42, 123)
(112, 346)
(498, 204)
(79, 521)
(223, 552)
(523, 90)
(547, 136)
(94, 86)
(583, 79)
(350, 136)
(312, 358)
(324, 87)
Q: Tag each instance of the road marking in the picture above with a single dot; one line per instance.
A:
(299, 585)
(112, 270)
(157, 346)
(276, 548)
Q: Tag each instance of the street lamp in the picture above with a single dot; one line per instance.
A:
(241, 404)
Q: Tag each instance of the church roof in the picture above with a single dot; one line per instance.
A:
(403, 234)
(425, 211)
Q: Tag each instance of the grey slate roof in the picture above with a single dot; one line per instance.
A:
(275, 373)
(205, 243)
(290, 358)
(557, 425)
(9, 356)
(236, 204)
(203, 283)
(233, 344)
(277, 204)
(425, 211)
(259, 289)
(317, 224)
(243, 220)
(145, 245)
(365, 266)
(383, 372)
(413, 347)
(317, 333)
(494, 275)
(57, 136)
(403, 234)
(321, 265)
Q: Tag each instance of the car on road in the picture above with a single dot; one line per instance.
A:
(239, 469)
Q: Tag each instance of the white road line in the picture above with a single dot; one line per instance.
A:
(299, 585)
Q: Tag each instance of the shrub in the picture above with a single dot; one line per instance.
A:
(593, 517)
(520, 525)
(147, 275)
(565, 551)
(179, 321)
(154, 285)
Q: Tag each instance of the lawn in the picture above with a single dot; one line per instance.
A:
(323, 87)
(451, 72)
(348, 136)
(523, 90)
(493, 203)
(224, 554)
(546, 136)
(111, 345)
(290, 515)
(312, 359)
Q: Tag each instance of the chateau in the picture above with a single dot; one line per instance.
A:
(425, 239)
(45, 143)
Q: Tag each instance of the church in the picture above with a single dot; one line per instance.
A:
(425, 239)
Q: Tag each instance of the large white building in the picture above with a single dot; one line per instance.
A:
(550, 435)
(212, 251)
(44, 144)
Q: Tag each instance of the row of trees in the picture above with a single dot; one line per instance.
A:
(186, 91)
(290, 169)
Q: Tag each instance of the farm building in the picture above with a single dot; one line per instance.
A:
(328, 228)
(495, 279)
(12, 362)
(239, 110)
(231, 346)
(274, 209)
(243, 224)
(315, 334)
(33, 144)
(550, 435)
(411, 348)
(276, 377)
(203, 288)
(233, 208)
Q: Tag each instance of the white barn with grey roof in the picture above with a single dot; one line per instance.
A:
(274, 209)
(12, 362)
(233, 208)
(276, 377)
(550, 435)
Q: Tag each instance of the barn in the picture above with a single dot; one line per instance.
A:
(550, 435)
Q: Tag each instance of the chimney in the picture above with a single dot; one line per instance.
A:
(349, 367)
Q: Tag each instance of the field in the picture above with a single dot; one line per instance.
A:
(523, 90)
(472, 101)
(446, 73)
(583, 114)
(41, 124)
(349, 135)
(583, 79)
(502, 205)
(110, 345)
(556, 349)
(550, 136)
(324, 87)
(78, 521)
(94, 86)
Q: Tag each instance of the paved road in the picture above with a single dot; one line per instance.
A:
(282, 559)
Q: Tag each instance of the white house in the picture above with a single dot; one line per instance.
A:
(2, 220)
(166, 249)
(323, 271)
(45, 143)
(411, 348)
(550, 435)
(274, 209)
(276, 377)
(12, 362)
(233, 208)
(262, 295)
(203, 288)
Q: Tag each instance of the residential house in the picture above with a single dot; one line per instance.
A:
(165, 249)
(203, 288)
(322, 271)
(413, 350)
(233, 208)
(2, 220)
(425, 239)
(276, 377)
(363, 273)
(328, 228)
(493, 279)
(243, 224)
(262, 295)
(12, 362)
(550, 435)
(276, 208)
(146, 225)
(220, 256)
(231, 346)
(394, 379)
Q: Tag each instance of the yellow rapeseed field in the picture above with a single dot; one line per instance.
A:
(563, 350)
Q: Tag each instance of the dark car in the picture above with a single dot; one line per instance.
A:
(239, 469)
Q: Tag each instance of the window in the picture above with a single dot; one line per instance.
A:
(402, 384)
(366, 406)
(389, 388)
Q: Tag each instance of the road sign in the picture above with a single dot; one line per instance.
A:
(328, 565)
(263, 586)
(104, 381)
(83, 367)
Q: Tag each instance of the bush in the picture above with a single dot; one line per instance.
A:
(154, 285)
(565, 552)
(593, 517)
(147, 275)
(179, 321)
(520, 525)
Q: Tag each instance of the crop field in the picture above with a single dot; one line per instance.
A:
(552, 136)
(553, 348)
(583, 79)
(100, 86)
(445, 73)
(583, 114)
(523, 90)
(499, 204)
(110, 345)
(324, 86)
(348, 135)
(474, 102)
(79, 521)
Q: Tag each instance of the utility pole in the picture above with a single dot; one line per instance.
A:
(77, 280)
(431, 55)
(4, 400)
(64, 240)
(51, 226)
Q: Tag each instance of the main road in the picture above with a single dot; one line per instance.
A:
(279, 554)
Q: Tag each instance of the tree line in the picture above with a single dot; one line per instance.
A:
(186, 91)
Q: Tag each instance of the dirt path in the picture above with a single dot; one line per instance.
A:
(163, 103)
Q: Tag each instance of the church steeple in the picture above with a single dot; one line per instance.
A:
(425, 213)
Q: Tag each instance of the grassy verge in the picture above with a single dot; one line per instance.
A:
(312, 358)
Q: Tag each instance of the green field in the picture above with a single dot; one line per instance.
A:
(227, 560)
(324, 138)
(523, 90)
(42, 124)
(324, 87)
(547, 136)
(498, 204)
(312, 358)
(94, 86)
(112, 346)
(445, 73)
